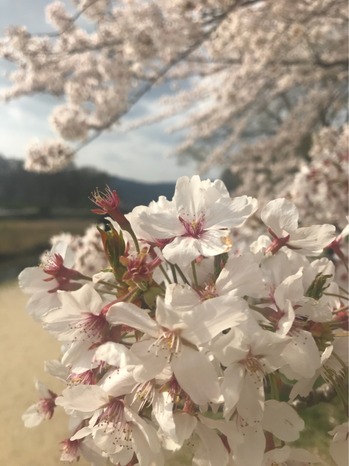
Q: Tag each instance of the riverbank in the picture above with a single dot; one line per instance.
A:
(24, 240)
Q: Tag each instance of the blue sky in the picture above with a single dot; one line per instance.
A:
(143, 154)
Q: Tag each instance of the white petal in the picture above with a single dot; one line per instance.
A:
(41, 303)
(250, 405)
(291, 288)
(159, 225)
(31, 280)
(32, 417)
(152, 360)
(339, 445)
(242, 276)
(182, 250)
(312, 240)
(302, 387)
(232, 386)
(189, 196)
(166, 316)
(57, 369)
(196, 376)
(145, 456)
(301, 455)
(231, 347)
(81, 433)
(286, 321)
(133, 316)
(270, 345)
(78, 355)
(281, 216)
(302, 354)
(213, 316)
(119, 382)
(145, 428)
(114, 354)
(214, 242)
(248, 445)
(108, 438)
(163, 412)
(84, 398)
(282, 420)
(276, 456)
(230, 213)
(185, 425)
(87, 298)
(212, 449)
(181, 296)
(62, 248)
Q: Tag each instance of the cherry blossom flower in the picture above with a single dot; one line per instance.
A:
(339, 444)
(81, 324)
(200, 437)
(44, 282)
(248, 353)
(175, 337)
(282, 420)
(73, 450)
(289, 456)
(50, 156)
(114, 427)
(198, 221)
(41, 410)
(281, 217)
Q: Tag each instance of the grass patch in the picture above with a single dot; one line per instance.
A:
(319, 420)
(21, 236)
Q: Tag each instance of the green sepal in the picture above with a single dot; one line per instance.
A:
(219, 263)
(151, 294)
(317, 287)
(114, 247)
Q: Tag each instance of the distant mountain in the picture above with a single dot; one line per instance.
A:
(27, 193)
(133, 193)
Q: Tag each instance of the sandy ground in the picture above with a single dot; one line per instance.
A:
(24, 346)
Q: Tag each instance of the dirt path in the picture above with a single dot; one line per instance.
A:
(24, 346)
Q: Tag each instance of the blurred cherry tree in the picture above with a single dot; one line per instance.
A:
(257, 83)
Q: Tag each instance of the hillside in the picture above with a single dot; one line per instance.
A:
(55, 194)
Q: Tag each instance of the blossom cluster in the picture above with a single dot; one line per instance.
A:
(320, 188)
(186, 341)
(258, 76)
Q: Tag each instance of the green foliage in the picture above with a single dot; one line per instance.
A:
(320, 419)
(114, 247)
(318, 286)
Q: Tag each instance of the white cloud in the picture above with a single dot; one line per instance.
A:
(16, 114)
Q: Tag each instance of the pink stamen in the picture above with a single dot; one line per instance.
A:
(94, 327)
(46, 406)
(208, 291)
(108, 204)
(83, 378)
(70, 450)
(139, 268)
(114, 412)
(53, 266)
(193, 228)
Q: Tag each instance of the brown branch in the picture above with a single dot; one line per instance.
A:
(148, 86)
